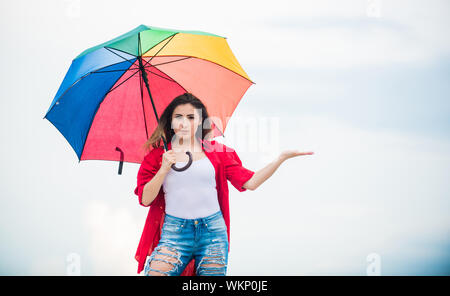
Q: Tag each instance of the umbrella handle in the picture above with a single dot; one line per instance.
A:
(186, 166)
(121, 160)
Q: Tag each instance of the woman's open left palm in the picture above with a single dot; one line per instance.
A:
(293, 153)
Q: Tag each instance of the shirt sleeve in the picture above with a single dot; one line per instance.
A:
(146, 172)
(235, 172)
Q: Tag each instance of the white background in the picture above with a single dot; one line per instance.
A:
(363, 84)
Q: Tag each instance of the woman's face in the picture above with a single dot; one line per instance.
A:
(185, 120)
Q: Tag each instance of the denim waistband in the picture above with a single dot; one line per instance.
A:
(193, 221)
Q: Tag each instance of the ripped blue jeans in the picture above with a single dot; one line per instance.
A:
(204, 239)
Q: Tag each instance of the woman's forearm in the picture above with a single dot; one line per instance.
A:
(263, 174)
(152, 188)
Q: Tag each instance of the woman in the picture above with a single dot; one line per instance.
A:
(187, 231)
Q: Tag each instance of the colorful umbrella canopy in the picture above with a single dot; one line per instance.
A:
(106, 110)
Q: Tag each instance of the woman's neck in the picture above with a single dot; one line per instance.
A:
(192, 145)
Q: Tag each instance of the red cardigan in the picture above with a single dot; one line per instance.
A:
(227, 166)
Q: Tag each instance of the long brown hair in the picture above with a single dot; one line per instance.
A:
(164, 123)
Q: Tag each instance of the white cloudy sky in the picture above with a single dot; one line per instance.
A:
(363, 84)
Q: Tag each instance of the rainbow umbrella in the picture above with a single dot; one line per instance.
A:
(108, 103)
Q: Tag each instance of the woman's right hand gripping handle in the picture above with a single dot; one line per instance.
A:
(152, 188)
(168, 159)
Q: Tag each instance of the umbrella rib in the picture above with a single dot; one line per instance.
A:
(98, 106)
(170, 78)
(220, 66)
(107, 48)
(148, 62)
(188, 57)
(184, 91)
(166, 62)
(142, 101)
(137, 69)
(122, 51)
(140, 53)
(122, 82)
(99, 70)
(82, 77)
(171, 37)
(129, 69)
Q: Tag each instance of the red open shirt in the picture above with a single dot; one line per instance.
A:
(227, 166)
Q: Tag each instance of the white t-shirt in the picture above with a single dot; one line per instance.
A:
(192, 193)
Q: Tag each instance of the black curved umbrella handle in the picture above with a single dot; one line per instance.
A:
(186, 166)
(121, 160)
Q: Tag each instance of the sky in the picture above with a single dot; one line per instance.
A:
(363, 84)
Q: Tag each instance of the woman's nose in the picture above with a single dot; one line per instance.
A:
(183, 124)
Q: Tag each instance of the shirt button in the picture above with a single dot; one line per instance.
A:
(160, 207)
